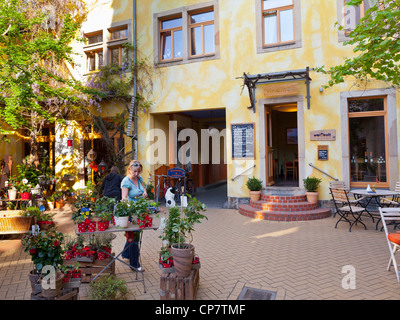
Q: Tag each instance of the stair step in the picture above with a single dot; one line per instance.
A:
(292, 205)
(314, 214)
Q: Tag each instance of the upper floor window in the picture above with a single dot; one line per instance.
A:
(278, 25)
(201, 26)
(352, 15)
(187, 34)
(171, 39)
(106, 46)
(278, 22)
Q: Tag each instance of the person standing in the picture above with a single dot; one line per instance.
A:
(131, 188)
(111, 185)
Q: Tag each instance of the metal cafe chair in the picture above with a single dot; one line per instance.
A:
(395, 201)
(345, 209)
(342, 185)
(393, 239)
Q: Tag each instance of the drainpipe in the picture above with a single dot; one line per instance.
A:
(133, 110)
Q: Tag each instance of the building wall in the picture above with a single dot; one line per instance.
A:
(214, 83)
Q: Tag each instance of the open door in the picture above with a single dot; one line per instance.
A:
(269, 158)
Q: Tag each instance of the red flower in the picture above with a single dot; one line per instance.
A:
(32, 251)
(56, 243)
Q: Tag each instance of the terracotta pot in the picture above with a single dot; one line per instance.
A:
(183, 258)
(35, 280)
(312, 197)
(255, 195)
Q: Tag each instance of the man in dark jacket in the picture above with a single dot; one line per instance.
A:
(111, 185)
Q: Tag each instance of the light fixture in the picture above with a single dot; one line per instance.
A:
(102, 166)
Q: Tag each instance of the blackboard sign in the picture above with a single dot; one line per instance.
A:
(322, 152)
(243, 140)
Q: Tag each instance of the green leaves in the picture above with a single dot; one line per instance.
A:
(376, 45)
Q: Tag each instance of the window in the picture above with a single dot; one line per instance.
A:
(201, 30)
(278, 22)
(352, 15)
(106, 46)
(187, 34)
(94, 60)
(94, 38)
(171, 39)
(118, 55)
(367, 141)
(278, 25)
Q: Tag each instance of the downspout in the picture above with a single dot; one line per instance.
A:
(135, 140)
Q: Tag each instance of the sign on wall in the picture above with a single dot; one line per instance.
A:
(323, 135)
(282, 89)
(243, 140)
(323, 153)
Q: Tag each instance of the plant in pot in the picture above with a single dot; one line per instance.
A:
(122, 211)
(254, 185)
(311, 185)
(179, 232)
(103, 209)
(25, 189)
(46, 250)
(141, 210)
(45, 220)
(50, 202)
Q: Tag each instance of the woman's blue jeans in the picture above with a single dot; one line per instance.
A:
(131, 251)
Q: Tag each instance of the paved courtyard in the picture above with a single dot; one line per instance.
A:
(294, 260)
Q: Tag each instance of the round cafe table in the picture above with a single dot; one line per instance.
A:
(373, 197)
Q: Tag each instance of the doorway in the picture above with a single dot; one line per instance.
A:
(281, 141)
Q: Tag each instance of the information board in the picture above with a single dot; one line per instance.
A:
(243, 140)
(323, 152)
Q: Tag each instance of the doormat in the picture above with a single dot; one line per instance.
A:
(256, 294)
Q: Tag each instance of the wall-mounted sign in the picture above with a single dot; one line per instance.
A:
(323, 152)
(323, 135)
(282, 89)
(243, 140)
(176, 173)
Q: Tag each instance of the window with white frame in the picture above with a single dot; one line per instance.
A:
(187, 34)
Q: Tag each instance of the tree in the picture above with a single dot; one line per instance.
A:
(35, 56)
(377, 44)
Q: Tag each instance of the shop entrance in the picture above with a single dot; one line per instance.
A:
(281, 141)
(207, 168)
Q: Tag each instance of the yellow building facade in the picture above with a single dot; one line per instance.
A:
(234, 93)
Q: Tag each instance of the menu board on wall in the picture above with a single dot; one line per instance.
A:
(243, 140)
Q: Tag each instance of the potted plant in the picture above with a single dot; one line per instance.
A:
(254, 185)
(58, 198)
(24, 189)
(178, 233)
(12, 185)
(45, 249)
(50, 202)
(103, 209)
(311, 185)
(141, 209)
(45, 220)
(122, 211)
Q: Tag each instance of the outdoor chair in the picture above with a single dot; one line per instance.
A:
(345, 209)
(341, 185)
(394, 202)
(393, 239)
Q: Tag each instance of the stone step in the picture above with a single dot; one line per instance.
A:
(314, 214)
(283, 198)
(281, 205)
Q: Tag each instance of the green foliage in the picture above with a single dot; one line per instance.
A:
(376, 45)
(179, 226)
(45, 248)
(103, 208)
(254, 184)
(311, 184)
(108, 288)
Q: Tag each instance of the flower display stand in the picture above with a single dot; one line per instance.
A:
(91, 269)
(173, 287)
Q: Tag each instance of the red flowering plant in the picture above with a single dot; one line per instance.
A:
(45, 248)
